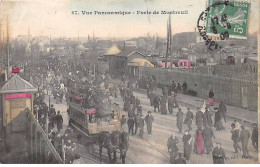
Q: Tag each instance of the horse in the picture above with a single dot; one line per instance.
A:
(123, 145)
(109, 142)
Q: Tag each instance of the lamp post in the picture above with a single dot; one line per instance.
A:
(47, 118)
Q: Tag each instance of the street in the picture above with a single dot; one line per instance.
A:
(153, 148)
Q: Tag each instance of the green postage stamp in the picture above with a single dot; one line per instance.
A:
(227, 19)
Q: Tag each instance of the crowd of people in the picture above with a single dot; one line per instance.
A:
(205, 132)
(53, 75)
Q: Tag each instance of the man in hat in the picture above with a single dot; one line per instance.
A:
(187, 146)
(179, 116)
(254, 137)
(130, 124)
(149, 122)
(141, 127)
(172, 145)
(156, 103)
(189, 118)
(199, 118)
(244, 137)
(207, 134)
(218, 121)
(180, 160)
(59, 121)
(52, 115)
(218, 154)
(207, 117)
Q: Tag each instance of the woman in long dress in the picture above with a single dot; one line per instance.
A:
(211, 97)
(218, 121)
(199, 147)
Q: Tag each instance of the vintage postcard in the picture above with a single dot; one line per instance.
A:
(129, 81)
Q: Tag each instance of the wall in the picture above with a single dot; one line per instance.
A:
(228, 90)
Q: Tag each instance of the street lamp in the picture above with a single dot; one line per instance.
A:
(47, 118)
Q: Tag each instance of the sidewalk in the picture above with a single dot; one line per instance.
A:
(232, 112)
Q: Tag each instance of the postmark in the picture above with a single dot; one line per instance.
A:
(228, 19)
(217, 20)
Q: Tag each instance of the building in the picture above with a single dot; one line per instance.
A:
(119, 62)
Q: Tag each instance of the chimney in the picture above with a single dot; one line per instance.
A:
(124, 45)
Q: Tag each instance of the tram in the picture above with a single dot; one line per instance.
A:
(90, 110)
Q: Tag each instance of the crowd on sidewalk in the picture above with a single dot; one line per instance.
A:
(202, 141)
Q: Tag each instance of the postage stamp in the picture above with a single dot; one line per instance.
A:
(228, 19)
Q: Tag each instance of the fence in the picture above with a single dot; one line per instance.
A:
(40, 149)
(234, 92)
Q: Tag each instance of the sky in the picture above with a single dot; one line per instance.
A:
(55, 18)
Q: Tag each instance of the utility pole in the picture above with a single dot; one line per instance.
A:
(7, 44)
(169, 41)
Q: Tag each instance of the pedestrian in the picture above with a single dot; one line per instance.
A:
(187, 145)
(218, 154)
(211, 97)
(141, 127)
(244, 137)
(170, 104)
(181, 159)
(149, 122)
(137, 120)
(123, 123)
(139, 109)
(199, 147)
(207, 137)
(52, 115)
(163, 106)
(218, 121)
(59, 121)
(165, 90)
(254, 137)
(42, 121)
(235, 137)
(184, 87)
(189, 118)
(131, 114)
(151, 97)
(199, 119)
(223, 110)
(178, 88)
(179, 116)
(130, 124)
(207, 117)
(156, 103)
(61, 97)
(172, 145)
(173, 87)
(126, 103)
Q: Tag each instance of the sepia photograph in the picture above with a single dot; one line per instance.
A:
(129, 81)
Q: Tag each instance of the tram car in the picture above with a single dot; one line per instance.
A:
(90, 110)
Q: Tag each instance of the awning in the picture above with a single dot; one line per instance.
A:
(91, 111)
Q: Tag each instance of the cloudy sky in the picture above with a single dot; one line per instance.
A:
(54, 17)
